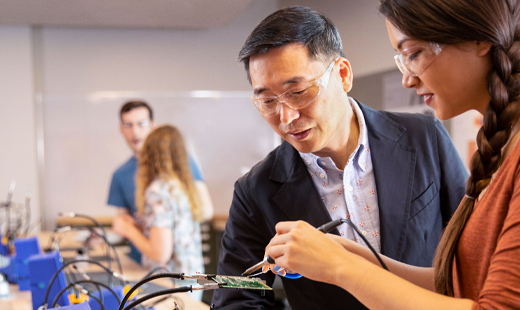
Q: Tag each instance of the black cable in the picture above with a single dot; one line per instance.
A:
(99, 301)
(55, 275)
(155, 270)
(104, 237)
(90, 295)
(101, 295)
(148, 279)
(86, 277)
(349, 222)
(70, 277)
(110, 245)
(93, 231)
(182, 289)
(86, 281)
(98, 224)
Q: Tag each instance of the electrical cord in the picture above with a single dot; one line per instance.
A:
(99, 284)
(206, 286)
(324, 228)
(86, 277)
(349, 222)
(148, 279)
(97, 299)
(73, 214)
(55, 275)
(330, 226)
(110, 245)
(155, 270)
(181, 289)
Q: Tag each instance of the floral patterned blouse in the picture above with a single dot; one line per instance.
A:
(168, 206)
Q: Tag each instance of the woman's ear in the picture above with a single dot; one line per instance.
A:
(345, 72)
(483, 48)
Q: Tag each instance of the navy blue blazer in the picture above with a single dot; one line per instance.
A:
(420, 181)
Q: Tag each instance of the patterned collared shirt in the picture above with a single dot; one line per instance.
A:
(168, 206)
(350, 192)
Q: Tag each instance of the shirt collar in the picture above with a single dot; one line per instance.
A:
(361, 154)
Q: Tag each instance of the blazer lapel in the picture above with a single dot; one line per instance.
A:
(394, 166)
(298, 198)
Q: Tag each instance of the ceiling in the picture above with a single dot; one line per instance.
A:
(169, 14)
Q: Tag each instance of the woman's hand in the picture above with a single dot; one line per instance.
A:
(303, 249)
(123, 224)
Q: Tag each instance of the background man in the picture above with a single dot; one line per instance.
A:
(136, 123)
(397, 176)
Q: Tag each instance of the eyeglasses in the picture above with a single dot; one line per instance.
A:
(141, 124)
(295, 98)
(416, 59)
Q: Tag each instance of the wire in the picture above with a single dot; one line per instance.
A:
(86, 277)
(98, 284)
(73, 214)
(157, 269)
(110, 245)
(349, 222)
(55, 275)
(148, 279)
(157, 294)
(99, 301)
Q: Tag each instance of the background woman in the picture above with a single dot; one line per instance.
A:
(166, 197)
(459, 55)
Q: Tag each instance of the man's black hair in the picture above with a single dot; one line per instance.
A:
(296, 24)
(130, 105)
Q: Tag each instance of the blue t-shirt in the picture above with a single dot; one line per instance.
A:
(122, 190)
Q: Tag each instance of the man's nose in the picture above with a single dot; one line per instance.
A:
(287, 114)
(135, 129)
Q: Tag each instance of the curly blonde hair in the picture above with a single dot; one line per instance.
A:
(164, 155)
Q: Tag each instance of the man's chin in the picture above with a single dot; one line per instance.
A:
(135, 149)
(303, 146)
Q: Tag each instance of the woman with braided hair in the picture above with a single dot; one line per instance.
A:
(167, 200)
(459, 55)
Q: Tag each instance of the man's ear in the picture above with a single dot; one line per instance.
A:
(121, 128)
(345, 72)
(154, 125)
(483, 48)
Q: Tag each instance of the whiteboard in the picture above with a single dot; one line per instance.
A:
(83, 145)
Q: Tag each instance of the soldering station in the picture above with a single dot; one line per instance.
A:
(58, 283)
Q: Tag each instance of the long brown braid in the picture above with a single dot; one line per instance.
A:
(164, 155)
(458, 21)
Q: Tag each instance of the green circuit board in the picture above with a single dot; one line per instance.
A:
(242, 282)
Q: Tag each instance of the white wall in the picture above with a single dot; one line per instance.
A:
(18, 160)
(87, 60)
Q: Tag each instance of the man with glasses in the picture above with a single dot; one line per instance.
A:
(398, 177)
(136, 123)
